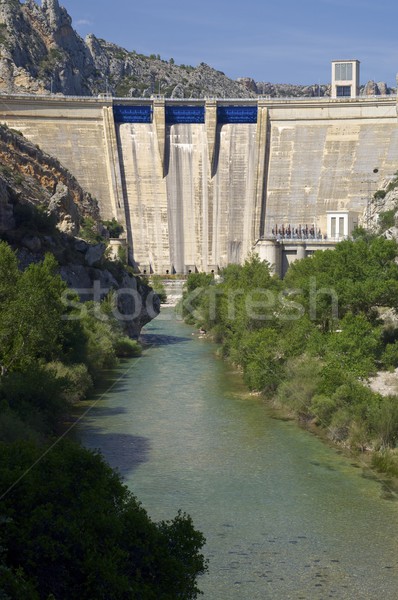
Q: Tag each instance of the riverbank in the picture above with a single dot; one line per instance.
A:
(71, 529)
(361, 459)
(313, 356)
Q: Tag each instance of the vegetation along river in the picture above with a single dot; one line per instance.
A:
(285, 516)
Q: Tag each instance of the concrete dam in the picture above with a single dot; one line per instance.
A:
(198, 184)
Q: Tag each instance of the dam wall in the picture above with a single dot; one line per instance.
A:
(189, 190)
(197, 183)
(328, 157)
(71, 130)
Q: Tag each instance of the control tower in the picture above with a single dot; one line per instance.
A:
(345, 78)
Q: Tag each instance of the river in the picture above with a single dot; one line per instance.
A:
(284, 515)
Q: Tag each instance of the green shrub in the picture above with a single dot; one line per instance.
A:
(323, 407)
(114, 228)
(13, 428)
(300, 385)
(100, 352)
(36, 396)
(76, 379)
(77, 533)
(89, 231)
(383, 420)
(387, 219)
(389, 358)
(156, 283)
(340, 425)
(385, 462)
(126, 348)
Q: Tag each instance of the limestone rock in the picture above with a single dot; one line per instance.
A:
(95, 254)
(178, 91)
(248, 83)
(48, 181)
(376, 206)
(63, 207)
(138, 303)
(391, 234)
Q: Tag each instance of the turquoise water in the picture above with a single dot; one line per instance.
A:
(284, 515)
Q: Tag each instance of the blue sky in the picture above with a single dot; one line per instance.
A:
(281, 42)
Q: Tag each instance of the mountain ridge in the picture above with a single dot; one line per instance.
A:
(41, 53)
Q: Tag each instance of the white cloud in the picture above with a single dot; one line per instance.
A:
(81, 22)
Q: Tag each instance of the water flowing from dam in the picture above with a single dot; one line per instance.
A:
(285, 516)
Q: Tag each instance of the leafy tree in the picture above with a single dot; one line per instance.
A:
(355, 346)
(30, 320)
(78, 533)
(114, 228)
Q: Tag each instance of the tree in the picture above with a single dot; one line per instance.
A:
(78, 533)
(30, 320)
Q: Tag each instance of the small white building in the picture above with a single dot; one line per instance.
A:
(340, 224)
(345, 78)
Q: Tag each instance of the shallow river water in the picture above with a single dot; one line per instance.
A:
(285, 516)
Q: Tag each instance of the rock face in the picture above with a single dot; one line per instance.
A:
(44, 179)
(40, 52)
(285, 90)
(381, 213)
(375, 89)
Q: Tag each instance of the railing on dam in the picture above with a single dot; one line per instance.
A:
(148, 101)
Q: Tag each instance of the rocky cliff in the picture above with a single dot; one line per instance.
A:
(44, 209)
(40, 52)
(381, 213)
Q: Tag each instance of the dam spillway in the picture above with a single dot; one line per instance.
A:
(196, 183)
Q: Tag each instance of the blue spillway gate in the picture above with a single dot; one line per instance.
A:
(132, 114)
(184, 114)
(236, 114)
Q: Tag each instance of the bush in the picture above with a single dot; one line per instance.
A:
(126, 348)
(383, 420)
(156, 283)
(340, 425)
(385, 462)
(36, 396)
(386, 219)
(114, 228)
(389, 358)
(76, 380)
(379, 194)
(13, 428)
(300, 385)
(77, 533)
(323, 407)
(89, 231)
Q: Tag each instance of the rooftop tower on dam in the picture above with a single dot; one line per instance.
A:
(198, 184)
